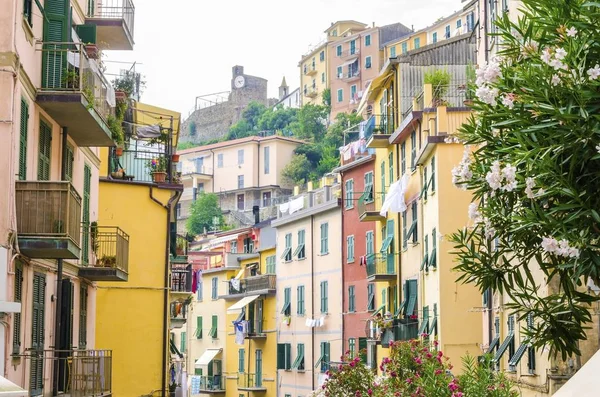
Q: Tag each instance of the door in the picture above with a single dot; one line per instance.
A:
(240, 202)
(66, 333)
(259, 316)
(258, 366)
(36, 379)
(85, 217)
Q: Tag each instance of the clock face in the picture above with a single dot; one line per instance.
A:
(239, 81)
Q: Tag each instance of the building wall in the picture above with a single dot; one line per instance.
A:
(313, 68)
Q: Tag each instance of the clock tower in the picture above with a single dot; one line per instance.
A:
(238, 79)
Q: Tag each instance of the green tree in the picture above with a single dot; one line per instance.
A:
(312, 122)
(326, 95)
(532, 166)
(241, 129)
(253, 112)
(205, 214)
(297, 170)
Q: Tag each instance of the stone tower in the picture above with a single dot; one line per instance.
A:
(284, 89)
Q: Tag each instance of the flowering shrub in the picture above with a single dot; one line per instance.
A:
(157, 165)
(532, 167)
(417, 369)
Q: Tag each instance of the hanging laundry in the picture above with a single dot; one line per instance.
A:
(239, 332)
(195, 386)
(394, 199)
(321, 321)
(363, 260)
(296, 204)
(235, 284)
(194, 282)
(284, 207)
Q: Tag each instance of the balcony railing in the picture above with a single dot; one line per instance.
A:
(379, 124)
(134, 165)
(212, 383)
(308, 70)
(350, 53)
(369, 205)
(381, 266)
(104, 13)
(82, 373)
(388, 330)
(115, 9)
(105, 253)
(311, 92)
(181, 278)
(48, 219)
(264, 283)
(348, 76)
(250, 382)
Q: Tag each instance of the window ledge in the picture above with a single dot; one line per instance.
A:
(348, 208)
(324, 254)
(301, 259)
(351, 262)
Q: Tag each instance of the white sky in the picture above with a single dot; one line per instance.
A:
(187, 48)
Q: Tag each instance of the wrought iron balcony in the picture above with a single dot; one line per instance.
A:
(381, 267)
(310, 70)
(212, 384)
(255, 329)
(311, 92)
(82, 373)
(251, 382)
(264, 285)
(378, 130)
(104, 253)
(350, 53)
(76, 94)
(350, 76)
(136, 165)
(369, 206)
(181, 278)
(48, 219)
(384, 331)
(114, 20)
(178, 314)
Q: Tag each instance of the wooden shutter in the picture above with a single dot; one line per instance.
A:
(56, 30)
(362, 346)
(87, 33)
(44, 152)
(214, 326)
(411, 286)
(17, 298)
(199, 327)
(83, 301)
(36, 381)
(23, 140)
(85, 216)
(69, 158)
(280, 356)
(241, 360)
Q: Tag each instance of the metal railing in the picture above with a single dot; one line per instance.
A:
(350, 53)
(81, 373)
(381, 265)
(354, 74)
(134, 165)
(387, 330)
(250, 381)
(178, 310)
(66, 68)
(311, 91)
(405, 329)
(113, 9)
(181, 278)
(211, 383)
(370, 202)
(309, 69)
(255, 283)
(255, 328)
(379, 124)
(104, 246)
(48, 209)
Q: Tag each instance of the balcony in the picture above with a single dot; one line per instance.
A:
(134, 165)
(48, 219)
(105, 253)
(350, 53)
(255, 330)
(384, 331)
(76, 94)
(178, 314)
(212, 384)
(255, 285)
(310, 70)
(251, 382)
(114, 22)
(350, 76)
(378, 130)
(369, 206)
(181, 278)
(81, 373)
(311, 92)
(381, 267)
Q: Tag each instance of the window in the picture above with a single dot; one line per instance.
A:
(200, 187)
(433, 256)
(322, 56)
(459, 24)
(530, 349)
(324, 357)
(83, 305)
(370, 297)
(367, 40)
(240, 181)
(447, 33)
(340, 94)
(324, 238)
(301, 249)
(368, 62)
(271, 263)
(382, 173)
(241, 361)
(432, 180)
(199, 327)
(350, 249)
(349, 202)
(240, 156)
(287, 252)
(323, 77)
(18, 296)
(248, 245)
(434, 37)
(267, 159)
(287, 302)
(314, 84)
(393, 52)
(403, 158)
(413, 150)
(404, 230)
(370, 243)
(266, 199)
(300, 300)
(352, 92)
(425, 263)
(384, 300)
(23, 131)
(404, 47)
(214, 286)
(284, 356)
(28, 11)
(352, 347)
(340, 72)
(299, 362)
(213, 329)
(508, 343)
(324, 297)
(351, 299)
(417, 42)
(470, 21)
(182, 342)
(352, 47)
(44, 152)
(233, 247)
(338, 50)
(413, 227)
(369, 194)
(425, 184)
(410, 297)
(220, 160)
(313, 65)
(391, 167)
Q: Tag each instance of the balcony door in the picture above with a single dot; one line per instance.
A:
(66, 335)
(85, 218)
(240, 202)
(258, 366)
(36, 376)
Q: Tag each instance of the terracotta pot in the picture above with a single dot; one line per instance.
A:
(175, 158)
(119, 151)
(91, 51)
(159, 177)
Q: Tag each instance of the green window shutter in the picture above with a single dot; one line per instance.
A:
(425, 263)
(214, 328)
(280, 356)
(411, 287)
(362, 349)
(404, 231)
(85, 214)
(199, 327)
(425, 184)
(87, 33)
(370, 244)
(241, 359)
(394, 300)
(56, 30)
(433, 256)
(18, 296)
(324, 238)
(432, 180)
(23, 140)
(324, 297)
(70, 157)
(44, 152)
(352, 347)
(83, 304)
(382, 172)
(391, 166)
(288, 356)
(384, 300)
(183, 338)
(424, 328)
(351, 299)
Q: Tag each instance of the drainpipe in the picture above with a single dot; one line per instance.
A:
(343, 187)
(59, 277)
(485, 30)
(312, 286)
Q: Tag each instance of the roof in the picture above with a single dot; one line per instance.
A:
(283, 82)
(364, 25)
(313, 50)
(287, 96)
(249, 139)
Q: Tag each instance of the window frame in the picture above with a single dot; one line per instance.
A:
(350, 258)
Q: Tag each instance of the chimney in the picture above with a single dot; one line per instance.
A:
(373, 24)
(256, 213)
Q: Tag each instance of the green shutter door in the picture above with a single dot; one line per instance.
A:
(214, 326)
(56, 30)
(44, 152)
(362, 347)
(258, 367)
(18, 298)
(23, 140)
(85, 217)
(391, 257)
(36, 381)
(69, 162)
(83, 299)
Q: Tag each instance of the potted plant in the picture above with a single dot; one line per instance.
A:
(118, 174)
(127, 84)
(439, 80)
(158, 169)
(91, 50)
(175, 158)
(116, 129)
(470, 91)
(118, 151)
(70, 79)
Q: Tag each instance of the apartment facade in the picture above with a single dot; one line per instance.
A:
(309, 307)
(355, 59)
(244, 173)
(314, 75)
(55, 117)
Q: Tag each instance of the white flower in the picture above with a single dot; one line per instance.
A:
(546, 55)
(448, 139)
(557, 64)
(508, 102)
(560, 53)
(571, 32)
(474, 213)
(488, 73)
(487, 95)
(559, 248)
(510, 186)
(594, 72)
(555, 80)
(598, 148)
(490, 232)
(495, 132)
(494, 176)
(509, 172)
(549, 245)
(462, 174)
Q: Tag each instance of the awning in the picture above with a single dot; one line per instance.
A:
(221, 240)
(585, 382)
(9, 389)
(350, 62)
(242, 303)
(207, 357)
(364, 99)
(240, 273)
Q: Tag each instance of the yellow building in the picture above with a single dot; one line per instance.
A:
(133, 306)
(314, 76)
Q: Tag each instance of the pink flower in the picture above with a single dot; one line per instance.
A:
(457, 394)
(418, 360)
(438, 371)
(429, 355)
(358, 393)
(352, 364)
(393, 374)
(409, 381)
(452, 386)
(369, 392)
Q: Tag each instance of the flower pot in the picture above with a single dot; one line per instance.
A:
(468, 102)
(175, 158)
(159, 177)
(120, 95)
(119, 151)
(117, 175)
(91, 51)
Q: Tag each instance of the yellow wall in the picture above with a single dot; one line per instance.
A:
(129, 315)
(308, 74)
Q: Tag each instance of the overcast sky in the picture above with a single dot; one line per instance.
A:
(187, 48)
